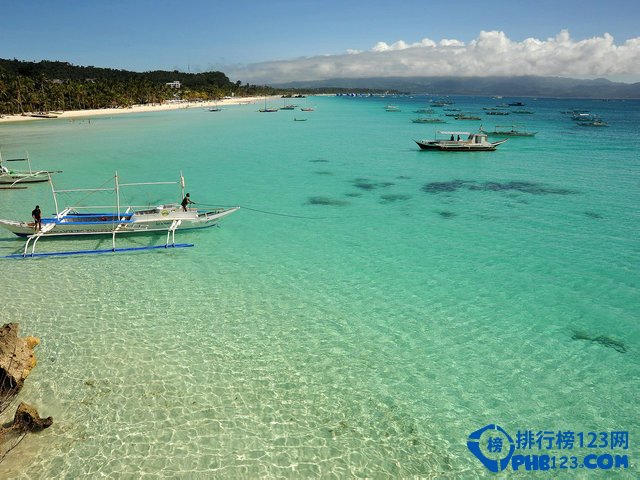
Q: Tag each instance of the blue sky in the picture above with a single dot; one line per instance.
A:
(202, 35)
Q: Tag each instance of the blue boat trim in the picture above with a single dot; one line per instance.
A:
(93, 252)
(97, 222)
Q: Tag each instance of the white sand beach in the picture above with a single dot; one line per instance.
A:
(137, 109)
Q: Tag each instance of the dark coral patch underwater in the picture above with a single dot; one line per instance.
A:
(603, 340)
(366, 184)
(532, 188)
(326, 201)
(394, 197)
(447, 214)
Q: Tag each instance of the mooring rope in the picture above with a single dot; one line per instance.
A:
(266, 212)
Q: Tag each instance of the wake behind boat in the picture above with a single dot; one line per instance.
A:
(102, 221)
(460, 142)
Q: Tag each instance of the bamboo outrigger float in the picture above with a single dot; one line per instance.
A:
(95, 221)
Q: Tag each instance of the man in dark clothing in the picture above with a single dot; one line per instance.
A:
(37, 218)
(186, 201)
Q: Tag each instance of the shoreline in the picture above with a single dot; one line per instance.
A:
(137, 109)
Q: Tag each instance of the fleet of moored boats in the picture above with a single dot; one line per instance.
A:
(76, 221)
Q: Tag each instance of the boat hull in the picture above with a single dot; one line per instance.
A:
(9, 179)
(157, 220)
(455, 146)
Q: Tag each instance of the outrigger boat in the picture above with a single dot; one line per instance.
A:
(80, 221)
(15, 178)
(428, 120)
(509, 131)
(473, 142)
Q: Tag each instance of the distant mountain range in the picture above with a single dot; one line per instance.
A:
(525, 86)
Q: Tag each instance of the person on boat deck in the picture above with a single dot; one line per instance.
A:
(452, 138)
(186, 201)
(37, 218)
(458, 137)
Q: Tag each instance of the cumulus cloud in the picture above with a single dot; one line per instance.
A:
(490, 54)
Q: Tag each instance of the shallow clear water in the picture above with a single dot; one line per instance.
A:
(424, 294)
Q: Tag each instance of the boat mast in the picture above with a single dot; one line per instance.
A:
(117, 195)
(181, 184)
(29, 162)
(55, 197)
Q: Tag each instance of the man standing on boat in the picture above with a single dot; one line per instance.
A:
(186, 201)
(37, 218)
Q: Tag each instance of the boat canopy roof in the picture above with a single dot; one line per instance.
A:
(454, 133)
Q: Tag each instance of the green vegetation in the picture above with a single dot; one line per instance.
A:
(57, 86)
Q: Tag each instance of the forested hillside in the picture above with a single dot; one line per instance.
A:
(53, 86)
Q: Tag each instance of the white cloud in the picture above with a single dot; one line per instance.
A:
(491, 53)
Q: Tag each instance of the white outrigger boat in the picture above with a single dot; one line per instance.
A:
(460, 142)
(98, 221)
(16, 178)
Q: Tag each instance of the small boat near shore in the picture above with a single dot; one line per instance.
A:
(460, 142)
(266, 109)
(43, 115)
(77, 221)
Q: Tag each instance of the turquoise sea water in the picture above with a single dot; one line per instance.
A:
(426, 295)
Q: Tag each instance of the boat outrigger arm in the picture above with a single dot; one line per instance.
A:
(70, 222)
